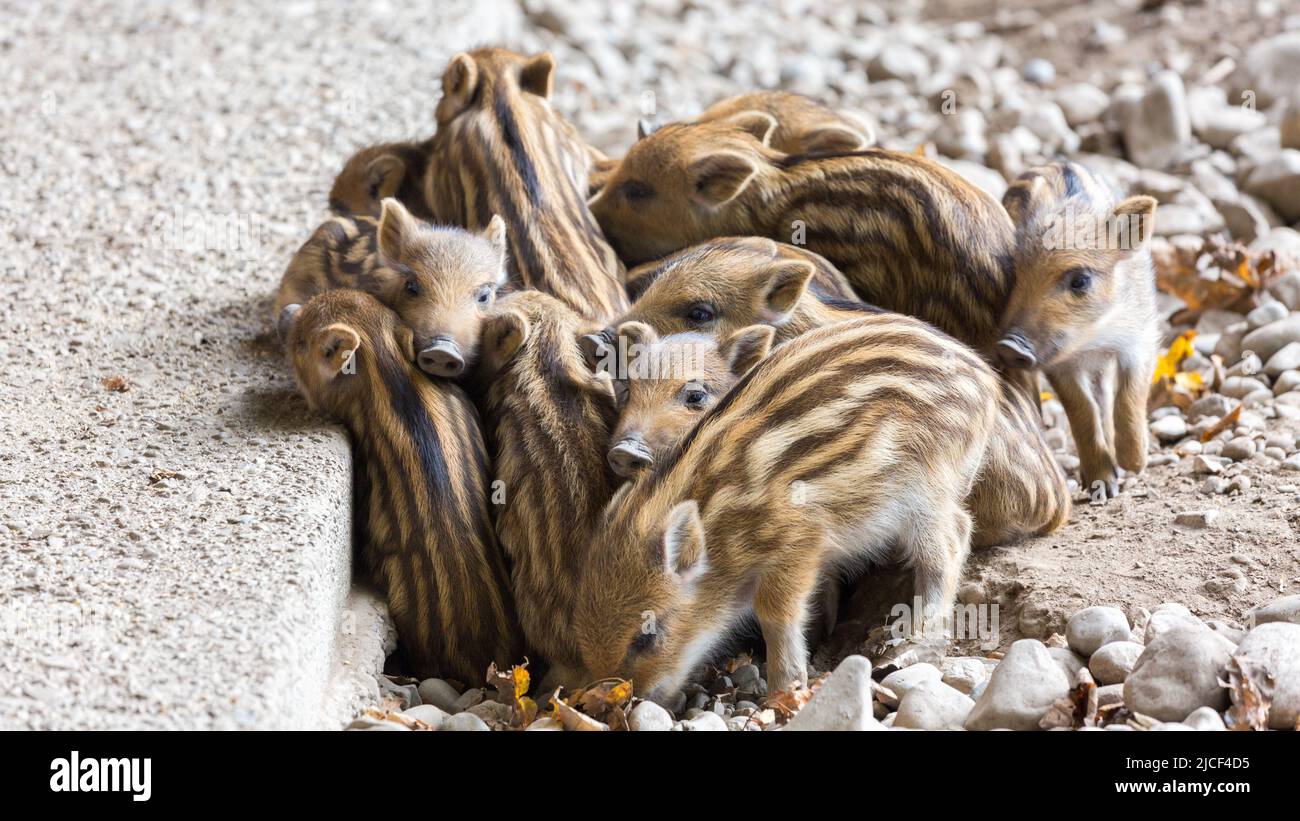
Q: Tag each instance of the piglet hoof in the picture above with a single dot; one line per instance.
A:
(1102, 489)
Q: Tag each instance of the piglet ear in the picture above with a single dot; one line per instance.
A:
(1133, 223)
(1023, 196)
(747, 347)
(459, 82)
(644, 128)
(682, 552)
(637, 333)
(758, 123)
(396, 227)
(336, 349)
(597, 350)
(719, 178)
(502, 336)
(833, 137)
(495, 233)
(284, 324)
(786, 282)
(384, 176)
(538, 75)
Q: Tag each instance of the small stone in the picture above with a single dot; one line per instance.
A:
(1070, 661)
(1092, 627)
(1214, 485)
(1239, 386)
(649, 717)
(1169, 428)
(1197, 518)
(1178, 672)
(1081, 103)
(1237, 484)
(1271, 338)
(1269, 68)
(898, 61)
(408, 693)
(1167, 616)
(1206, 465)
(1209, 405)
(1039, 71)
(843, 702)
(1205, 718)
(1286, 382)
(1158, 127)
(1239, 449)
(1287, 359)
(491, 711)
(464, 722)
(1277, 182)
(1285, 609)
(933, 705)
(1024, 685)
(1266, 315)
(428, 713)
(1276, 645)
(1108, 694)
(900, 681)
(705, 722)
(468, 699)
(1286, 288)
(963, 673)
(440, 694)
(746, 678)
(545, 724)
(1113, 662)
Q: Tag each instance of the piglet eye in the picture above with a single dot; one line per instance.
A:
(636, 191)
(484, 295)
(1080, 282)
(695, 396)
(412, 288)
(700, 314)
(643, 643)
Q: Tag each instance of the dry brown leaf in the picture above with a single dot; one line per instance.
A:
(1115, 713)
(1229, 420)
(1216, 274)
(606, 701)
(572, 719)
(163, 473)
(385, 713)
(1078, 708)
(116, 384)
(512, 688)
(1250, 686)
(788, 703)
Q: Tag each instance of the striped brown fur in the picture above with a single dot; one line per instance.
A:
(803, 126)
(1083, 311)
(1021, 489)
(843, 443)
(502, 149)
(827, 281)
(421, 479)
(548, 419)
(440, 280)
(377, 172)
(910, 235)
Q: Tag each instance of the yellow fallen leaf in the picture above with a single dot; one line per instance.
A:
(1179, 349)
(1046, 396)
(1190, 380)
